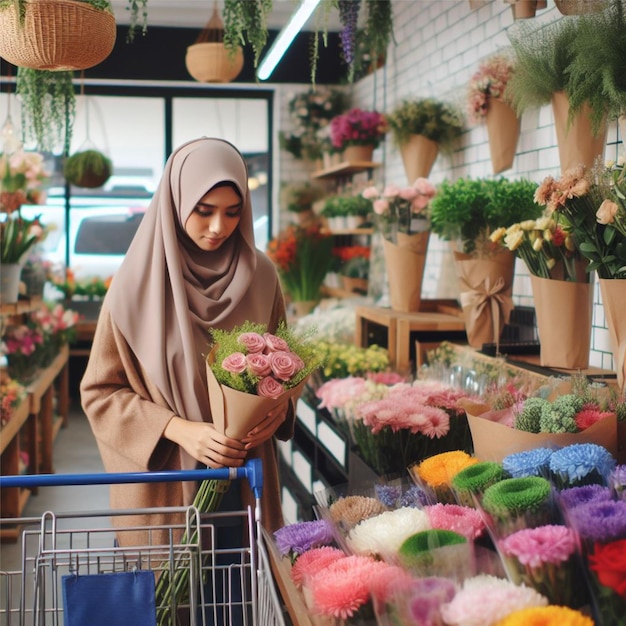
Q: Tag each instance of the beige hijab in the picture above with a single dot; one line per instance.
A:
(168, 293)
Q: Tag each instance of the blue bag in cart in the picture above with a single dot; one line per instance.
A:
(113, 599)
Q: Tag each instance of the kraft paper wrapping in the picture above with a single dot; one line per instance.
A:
(614, 300)
(418, 156)
(486, 286)
(577, 144)
(563, 310)
(494, 440)
(503, 129)
(236, 413)
(405, 263)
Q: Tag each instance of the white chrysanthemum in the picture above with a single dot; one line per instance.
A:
(384, 534)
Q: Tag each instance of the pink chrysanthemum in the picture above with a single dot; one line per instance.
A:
(543, 544)
(311, 562)
(387, 581)
(461, 519)
(340, 589)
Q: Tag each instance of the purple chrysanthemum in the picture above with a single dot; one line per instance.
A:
(575, 496)
(617, 481)
(527, 463)
(600, 521)
(300, 537)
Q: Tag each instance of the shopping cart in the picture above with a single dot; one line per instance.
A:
(189, 579)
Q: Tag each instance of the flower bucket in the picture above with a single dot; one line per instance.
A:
(614, 300)
(485, 287)
(10, 283)
(405, 270)
(304, 307)
(503, 129)
(564, 312)
(579, 7)
(418, 156)
(577, 143)
(356, 154)
(523, 9)
(494, 440)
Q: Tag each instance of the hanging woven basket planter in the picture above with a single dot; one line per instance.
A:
(56, 35)
(208, 60)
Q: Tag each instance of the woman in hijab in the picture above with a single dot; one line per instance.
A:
(191, 267)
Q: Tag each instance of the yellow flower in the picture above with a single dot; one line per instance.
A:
(550, 263)
(538, 244)
(544, 223)
(527, 225)
(497, 234)
(440, 469)
(551, 615)
(547, 235)
(569, 243)
(513, 240)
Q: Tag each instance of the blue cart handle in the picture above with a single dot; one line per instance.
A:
(252, 471)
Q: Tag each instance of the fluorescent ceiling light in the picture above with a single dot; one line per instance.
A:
(285, 37)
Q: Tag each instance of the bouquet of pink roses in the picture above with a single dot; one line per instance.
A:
(250, 371)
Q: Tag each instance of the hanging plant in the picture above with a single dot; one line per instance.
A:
(48, 106)
(87, 168)
(246, 22)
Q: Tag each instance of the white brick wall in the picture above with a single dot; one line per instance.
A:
(439, 45)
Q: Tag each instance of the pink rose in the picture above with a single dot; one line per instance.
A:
(370, 193)
(408, 193)
(235, 363)
(419, 204)
(391, 191)
(380, 207)
(269, 387)
(283, 365)
(252, 342)
(424, 187)
(275, 344)
(259, 364)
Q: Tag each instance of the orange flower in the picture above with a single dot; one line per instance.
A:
(440, 469)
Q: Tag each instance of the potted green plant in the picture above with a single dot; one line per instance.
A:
(466, 212)
(299, 198)
(357, 133)
(88, 168)
(548, 71)
(421, 128)
(346, 211)
(354, 267)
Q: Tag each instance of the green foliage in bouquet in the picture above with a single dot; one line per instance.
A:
(468, 210)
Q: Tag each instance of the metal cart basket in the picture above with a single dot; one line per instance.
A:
(189, 579)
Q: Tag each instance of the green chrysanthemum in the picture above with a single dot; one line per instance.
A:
(530, 415)
(514, 497)
(476, 478)
(559, 417)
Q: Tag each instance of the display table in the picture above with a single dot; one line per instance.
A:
(438, 320)
(32, 430)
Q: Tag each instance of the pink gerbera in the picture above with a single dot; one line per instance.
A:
(313, 561)
(589, 416)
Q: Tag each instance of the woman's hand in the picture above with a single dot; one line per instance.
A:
(266, 429)
(205, 444)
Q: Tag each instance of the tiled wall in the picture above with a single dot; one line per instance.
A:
(439, 44)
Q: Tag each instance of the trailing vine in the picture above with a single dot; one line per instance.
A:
(246, 22)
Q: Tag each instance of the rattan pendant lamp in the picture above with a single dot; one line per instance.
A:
(58, 35)
(208, 60)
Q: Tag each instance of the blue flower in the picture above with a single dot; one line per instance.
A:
(388, 494)
(580, 461)
(415, 497)
(527, 463)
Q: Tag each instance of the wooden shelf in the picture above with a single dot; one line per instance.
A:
(33, 428)
(22, 306)
(345, 169)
